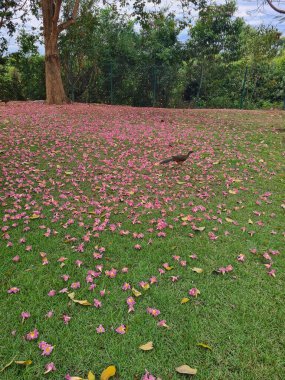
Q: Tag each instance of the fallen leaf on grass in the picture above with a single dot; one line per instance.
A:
(34, 216)
(23, 362)
(82, 302)
(108, 372)
(91, 376)
(75, 378)
(185, 369)
(197, 270)
(146, 347)
(204, 345)
(136, 293)
(229, 220)
(198, 228)
(185, 300)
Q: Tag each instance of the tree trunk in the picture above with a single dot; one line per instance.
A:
(55, 93)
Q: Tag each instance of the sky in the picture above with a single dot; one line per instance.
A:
(248, 9)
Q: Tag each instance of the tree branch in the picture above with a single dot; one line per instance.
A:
(279, 10)
(66, 24)
(56, 11)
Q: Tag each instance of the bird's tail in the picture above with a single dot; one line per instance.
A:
(166, 161)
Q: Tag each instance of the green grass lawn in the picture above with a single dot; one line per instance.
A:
(76, 178)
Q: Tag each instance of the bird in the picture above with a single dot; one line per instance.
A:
(179, 158)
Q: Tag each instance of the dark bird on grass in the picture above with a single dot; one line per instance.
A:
(179, 158)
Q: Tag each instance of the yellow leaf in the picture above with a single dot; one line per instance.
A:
(216, 162)
(180, 182)
(68, 173)
(229, 220)
(146, 347)
(91, 376)
(34, 216)
(197, 270)
(71, 295)
(204, 345)
(82, 302)
(185, 300)
(23, 362)
(233, 191)
(76, 378)
(136, 293)
(168, 268)
(185, 369)
(250, 221)
(146, 286)
(108, 372)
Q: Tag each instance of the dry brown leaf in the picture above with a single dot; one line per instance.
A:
(186, 370)
(147, 346)
(108, 372)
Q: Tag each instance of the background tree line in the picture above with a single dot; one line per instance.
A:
(108, 57)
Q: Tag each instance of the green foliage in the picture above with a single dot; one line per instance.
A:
(107, 56)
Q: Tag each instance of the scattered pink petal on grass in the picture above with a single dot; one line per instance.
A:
(66, 319)
(75, 285)
(111, 273)
(153, 312)
(49, 314)
(100, 329)
(16, 258)
(25, 315)
(49, 367)
(46, 348)
(52, 293)
(241, 258)
(78, 263)
(97, 303)
(148, 376)
(32, 335)
(194, 292)
(13, 290)
(121, 329)
(272, 273)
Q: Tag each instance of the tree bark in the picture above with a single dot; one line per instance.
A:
(55, 93)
